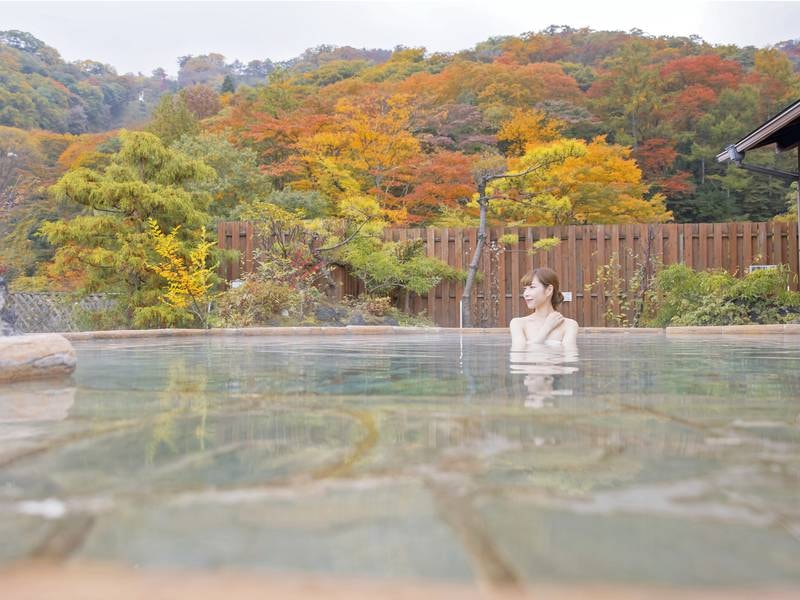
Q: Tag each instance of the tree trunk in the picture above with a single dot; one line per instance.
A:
(466, 311)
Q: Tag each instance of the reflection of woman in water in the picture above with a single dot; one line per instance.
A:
(545, 324)
(542, 365)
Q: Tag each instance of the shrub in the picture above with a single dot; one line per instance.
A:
(255, 302)
(687, 297)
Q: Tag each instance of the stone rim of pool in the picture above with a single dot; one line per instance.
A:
(747, 330)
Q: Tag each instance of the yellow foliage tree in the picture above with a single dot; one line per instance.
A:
(527, 127)
(578, 182)
(363, 151)
(189, 278)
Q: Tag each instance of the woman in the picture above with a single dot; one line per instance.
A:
(545, 324)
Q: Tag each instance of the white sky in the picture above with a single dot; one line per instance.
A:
(140, 36)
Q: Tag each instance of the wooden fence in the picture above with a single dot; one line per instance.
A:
(581, 253)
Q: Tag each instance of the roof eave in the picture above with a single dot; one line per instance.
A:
(765, 133)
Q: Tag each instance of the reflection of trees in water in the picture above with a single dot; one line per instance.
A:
(428, 404)
(183, 396)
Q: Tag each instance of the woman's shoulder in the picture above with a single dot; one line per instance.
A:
(570, 323)
(519, 320)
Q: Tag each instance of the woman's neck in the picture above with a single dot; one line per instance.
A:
(544, 310)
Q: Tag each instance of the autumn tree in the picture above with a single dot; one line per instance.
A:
(596, 182)
(172, 119)
(201, 101)
(526, 127)
(21, 167)
(438, 182)
(108, 247)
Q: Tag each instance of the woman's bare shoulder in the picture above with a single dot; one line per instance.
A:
(519, 320)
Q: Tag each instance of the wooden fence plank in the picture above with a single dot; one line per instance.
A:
(458, 263)
(728, 256)
(572, 257)
(600, 244)
(430, 251)
(444, 256)
(586, 256)
(515, 276)
(704, 263)
(747, 246)
(560, 266)
(717, 233)
(777, 246)
(793, 259)
(762, 253)
(501, 278)
(671, 256)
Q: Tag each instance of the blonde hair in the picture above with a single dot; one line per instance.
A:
(546, 277)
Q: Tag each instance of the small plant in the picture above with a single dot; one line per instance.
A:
(544, 245)
(509, 239)
(631, 298)
(378, 306)
(255, 302)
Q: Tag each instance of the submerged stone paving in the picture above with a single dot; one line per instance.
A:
(640, 461)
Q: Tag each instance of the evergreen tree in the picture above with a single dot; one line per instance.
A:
(172, 119)
(110, 246)
(227, 85)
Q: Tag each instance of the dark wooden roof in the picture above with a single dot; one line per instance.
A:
(783, 130)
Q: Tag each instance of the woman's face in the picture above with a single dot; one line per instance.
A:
(536, 294)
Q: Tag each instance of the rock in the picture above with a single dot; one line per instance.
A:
(35, 356)
(330, 314)
(357, 319)
(389, 321)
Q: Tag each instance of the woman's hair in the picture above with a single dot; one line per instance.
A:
(546, 277)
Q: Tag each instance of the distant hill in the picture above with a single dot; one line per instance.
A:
(39, 90)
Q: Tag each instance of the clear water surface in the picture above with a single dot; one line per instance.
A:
(433, 457)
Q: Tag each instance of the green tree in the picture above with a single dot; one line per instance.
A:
(109, 247)
(172, 119)
(396, 268)
(238, 180)
(227, 85)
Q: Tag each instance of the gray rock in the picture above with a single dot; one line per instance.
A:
(330, 314)
(35, 356)
(357, 319)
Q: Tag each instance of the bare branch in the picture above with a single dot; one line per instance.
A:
(527, 171)
(348, 239)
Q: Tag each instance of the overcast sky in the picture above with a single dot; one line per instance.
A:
(140, 36)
